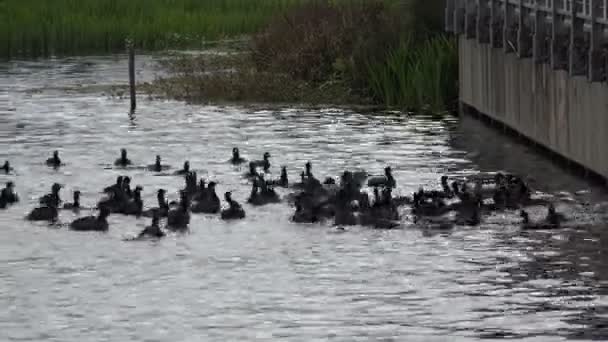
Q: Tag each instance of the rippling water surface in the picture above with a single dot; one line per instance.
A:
(265, 278)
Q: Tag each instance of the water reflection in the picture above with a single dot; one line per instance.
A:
(266, 278)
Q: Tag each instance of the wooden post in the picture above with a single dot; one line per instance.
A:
(458, 20)
(131, 49)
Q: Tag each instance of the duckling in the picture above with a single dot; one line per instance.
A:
(234, 211)
(210, 204)
(43, 214)
(54, 161)
(53, 199)
(283, 180)
(6, 168)
(201, 191)
(387, 180)
(163, 205)
(123, 161)
(252, 173)
(76, 205)
(264, 163)
(185, 170)
(157, 166)
(344, 215)
(153, 230)
(528, 225)
(265, 196)
(8, 194)
(236, 157)
(302, 183)
(114, 187)
(329, 181)
(446, 187)
(92, 223)
(308, 169)
(126, 187)
(136, 205)
(178, 219)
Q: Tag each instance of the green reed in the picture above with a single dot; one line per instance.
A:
(31, 28)
(417, 75)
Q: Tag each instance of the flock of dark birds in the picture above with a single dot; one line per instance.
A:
(344, 201)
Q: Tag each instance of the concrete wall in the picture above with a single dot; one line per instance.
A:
(568, 115)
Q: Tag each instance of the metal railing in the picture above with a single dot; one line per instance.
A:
(562, 7)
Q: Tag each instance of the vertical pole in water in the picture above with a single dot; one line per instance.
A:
(132, 75)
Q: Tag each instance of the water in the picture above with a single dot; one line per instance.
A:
(265, 278)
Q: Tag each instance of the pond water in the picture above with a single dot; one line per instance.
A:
(265, 278)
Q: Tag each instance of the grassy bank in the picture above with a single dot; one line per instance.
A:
(31, 28)
(367, 52)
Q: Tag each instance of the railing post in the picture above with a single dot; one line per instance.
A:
(539, 37)
(576, 31)
(555, 26)
(522, 32)
(449, 16)
(506, 28)
(595, 36)
(458, 17)
(484, 27)
(470, 20)
(493, 23)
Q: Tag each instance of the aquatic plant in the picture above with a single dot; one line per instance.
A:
(417, 76)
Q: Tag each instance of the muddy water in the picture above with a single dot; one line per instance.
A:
(265, 278)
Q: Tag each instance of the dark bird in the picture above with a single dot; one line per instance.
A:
(54, 161)
(123, 161)
(236, 157)
(92, 223)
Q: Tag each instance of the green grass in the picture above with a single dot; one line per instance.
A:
(417, 76)
(31, 28)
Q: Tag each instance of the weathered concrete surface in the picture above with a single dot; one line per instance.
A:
(568, 115)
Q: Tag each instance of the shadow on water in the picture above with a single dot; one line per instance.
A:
(266, 278)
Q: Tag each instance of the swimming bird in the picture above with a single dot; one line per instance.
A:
(236, 157)
(387, 180)
(185, 170)
(54, 161)
(136, 205)
(75, 206)
(264, 163)
(210, 204)
(157, 166)
(163, 206)
(92, 223)
(123, 161)
(53, 199)
(153, 230)
(43, 214)
(8, 194)
(234, 211)
(6, 168)
(283, 181)
(178, 219)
